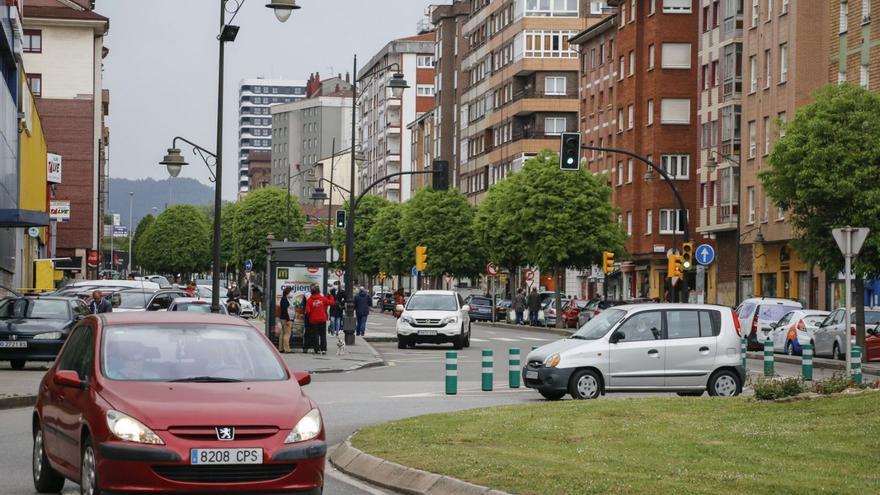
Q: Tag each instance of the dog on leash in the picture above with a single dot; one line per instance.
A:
(340, 344)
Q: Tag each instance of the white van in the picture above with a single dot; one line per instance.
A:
(683, 348)
(124, 284)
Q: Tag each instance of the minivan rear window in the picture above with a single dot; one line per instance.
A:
(773, 312)
(746, 310)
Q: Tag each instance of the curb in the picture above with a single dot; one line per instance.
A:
(393, 476)
(377, 362)
(823, 363)
(17, 401)
(380, 339)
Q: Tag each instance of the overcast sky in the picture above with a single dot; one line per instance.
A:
(162, 67)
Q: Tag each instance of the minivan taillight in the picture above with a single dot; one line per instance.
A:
(852, 331)
(755, 323)
(736, 323)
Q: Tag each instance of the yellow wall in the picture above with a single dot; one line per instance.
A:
(33, 162)
(769, 259)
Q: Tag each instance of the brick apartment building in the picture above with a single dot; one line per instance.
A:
(63, 57)
(259, 165)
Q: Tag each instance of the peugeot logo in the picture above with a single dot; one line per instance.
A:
(225, 433)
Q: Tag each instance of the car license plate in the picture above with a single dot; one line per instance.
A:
(13, 344)
(427, 332)
(532, 375)
(225, 456)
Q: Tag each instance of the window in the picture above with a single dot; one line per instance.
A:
(684, 324)
(622, 73)
(619, 120)
(755, 9)
(632, 63)
(554, 85)
(750, 195)
(641, 327)
(769, 9)
(620, 173)
(79, 353)
(629, 171)
(649, 222)
(677, 6)
(551, 8)
(32, 41)
(554, 125)
(629, 223)
(650, 110)
(844, 15)
(629, 117)
(753, 146)
(632, 10)
(675, 111)
(593, 59)
(35, 81)
(784, 9)
(425, 90)
(676, 56)
(766, 136)
(783, 62)
(652, 7)
(753, 73)
(866, 11)
(668, 218)
(780, 214)
(768, 58)
(622, 15)
(841, 77)
(863, 75)
(425, 61)
(677, 166)
(766, 212)
(782, 121)
(549, 44)
(650, 56)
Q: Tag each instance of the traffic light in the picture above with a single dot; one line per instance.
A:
(607, 261)
(675, 266)
(340, 219)
(421, 258)
(440, 175)
(570, 151)
(687, 255)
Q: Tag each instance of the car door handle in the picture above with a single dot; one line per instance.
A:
(654, 352)
(704, 349)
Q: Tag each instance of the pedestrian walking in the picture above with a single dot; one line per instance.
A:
(399, 300)
(534, 305)
(317, 307)
(100, 304)
(191, 289)
(361, 310)
(519, 306)
(336, 311)
(286, 322)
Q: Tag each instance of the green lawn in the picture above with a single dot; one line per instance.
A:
(647, 446)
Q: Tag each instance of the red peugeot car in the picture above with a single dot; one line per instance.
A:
(175, 403)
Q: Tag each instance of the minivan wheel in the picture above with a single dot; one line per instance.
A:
(584, 385)
(555, 395)
(690, 394)
(724, 383)
(836, 354)
(46, 479)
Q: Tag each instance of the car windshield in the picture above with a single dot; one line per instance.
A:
(814, 320)
(132, 300)
(193, 307)
(432, 302)
(188, 352)
(774, 312)
(871, 317)
(49, 309)
(599, 325)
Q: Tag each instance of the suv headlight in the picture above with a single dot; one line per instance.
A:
(308, 428)
(448, 320)
(131, 430)
(48, 336)
(408, 319)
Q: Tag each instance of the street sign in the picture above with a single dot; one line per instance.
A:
(491, 269)
(705, 254)
(34, 232)
(530, 275)
(249, 265)
(120, 231)
(415, 271)
(340, 273)
(856, 237)
(849, 240)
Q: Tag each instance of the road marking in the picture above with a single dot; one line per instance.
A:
(473, 392)
(478, 340)
(535, 339)
(504, 339)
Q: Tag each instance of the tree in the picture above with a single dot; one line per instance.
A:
(500, 239)
(227, 234)
(260, 213)
(137, 241)
(366, 258)
(179, 241)
(825, 173)
(442, 221)
(393, 255)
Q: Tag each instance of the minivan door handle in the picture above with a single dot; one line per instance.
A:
(654, 352)
(704, 349)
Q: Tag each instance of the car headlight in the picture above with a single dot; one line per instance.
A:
(131, 430)
(448, 320)
(552, 361)
(48, 336)
(308, 428)
(409, 319)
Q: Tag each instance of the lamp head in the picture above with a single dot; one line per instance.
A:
(318, 194)
(173, 161)
(283, 8)
(649, 176)
(397, 85)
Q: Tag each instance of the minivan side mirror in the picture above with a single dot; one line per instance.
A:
(302, 377)
(617, 336)
(68, 378)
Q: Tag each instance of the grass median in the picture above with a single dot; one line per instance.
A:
(647, 446)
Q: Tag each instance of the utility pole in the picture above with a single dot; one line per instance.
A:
(130, 228)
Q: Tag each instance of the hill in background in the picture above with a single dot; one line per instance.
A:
(159, 194)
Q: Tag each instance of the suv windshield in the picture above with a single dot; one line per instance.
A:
(599, 325)
(432, 302)
(51, 309)
(195, 352)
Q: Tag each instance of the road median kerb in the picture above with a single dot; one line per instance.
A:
(16, 401)
(397, 477)
(817, 363)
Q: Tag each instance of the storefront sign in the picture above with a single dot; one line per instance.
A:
(59, 211)
(53, 168)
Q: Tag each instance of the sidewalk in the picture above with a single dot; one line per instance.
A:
(360, 355)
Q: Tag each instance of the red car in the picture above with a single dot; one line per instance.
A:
(175, 403)
(572, 310)
(872, 344)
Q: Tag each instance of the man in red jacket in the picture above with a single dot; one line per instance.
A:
(316, 320)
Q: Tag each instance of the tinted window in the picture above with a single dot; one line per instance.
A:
(52, 309)
(682, 324)
(480, 301)
(77, 354)
(641, 327)
(80, 308)
(710, 323)
(161, 301)
(773, 312)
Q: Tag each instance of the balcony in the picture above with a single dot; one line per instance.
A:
(719, 218)
(393, 102)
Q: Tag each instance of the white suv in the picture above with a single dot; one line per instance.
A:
(434, 317)
(683, 348)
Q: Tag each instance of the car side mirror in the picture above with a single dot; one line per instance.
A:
(872, 331)
(154, 307)
(302, 377)
(68, 378)
(617, 337)
(466, 307)
(399, 308)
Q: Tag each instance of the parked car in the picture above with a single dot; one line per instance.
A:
(872, 344)
(434, 317)
(247, 308)
(33, 328)
(388, 301)
(502, 308)
(138, 300)
(164, 403)
(378, 293)
(829, 336)
(757, 316)
(480, 308)
(596, 306)
(122, 284)
(683, 348)
(548, 306)
(795, 329)
(194, 305)
(572, 311)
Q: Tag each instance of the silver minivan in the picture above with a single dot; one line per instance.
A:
(683, 348)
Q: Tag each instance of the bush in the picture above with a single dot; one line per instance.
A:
(777, 388)
(836, 384)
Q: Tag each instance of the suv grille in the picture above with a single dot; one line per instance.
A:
(225, 474)
(427, 322)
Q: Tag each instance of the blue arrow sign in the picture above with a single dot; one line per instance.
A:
(705, 254)
(249, 265)
(415, 271)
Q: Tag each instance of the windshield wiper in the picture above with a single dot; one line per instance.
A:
(206, 379)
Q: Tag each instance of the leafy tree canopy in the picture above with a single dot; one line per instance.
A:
(261, 212)
(366, 258)
(394, 256)
(137, 241)
(179, 241)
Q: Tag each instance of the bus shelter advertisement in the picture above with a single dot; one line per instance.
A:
(300, 279)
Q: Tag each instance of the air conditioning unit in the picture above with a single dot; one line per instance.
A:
(866, 19)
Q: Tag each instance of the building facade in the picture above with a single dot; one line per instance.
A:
(255, 97)
(785, 55)
(422, 153)
(382, 117)
(303, 132)
(855, 43)
(259, 164)
(63, 49)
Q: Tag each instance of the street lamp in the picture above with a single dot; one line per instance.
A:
(174, 161)
(130, 227)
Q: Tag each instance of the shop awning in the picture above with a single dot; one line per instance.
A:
(16, 218)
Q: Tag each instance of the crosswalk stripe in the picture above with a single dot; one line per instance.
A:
(536, 339)
(504, 339)
(478, 340)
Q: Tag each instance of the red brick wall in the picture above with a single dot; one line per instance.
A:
(69, 128)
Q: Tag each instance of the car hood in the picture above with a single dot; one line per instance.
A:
(560, 346)
(23, 326)
(129, 310)
(160, 405)
(430, 315)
